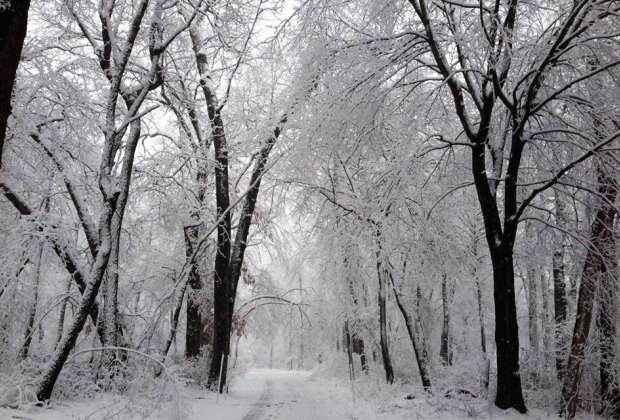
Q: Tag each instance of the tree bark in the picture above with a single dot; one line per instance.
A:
(509, 394)
(61, 316)
(197, 332)
(560, 300)
(347, 337)
(13, 25)
(445, 351)
(606, 324)
(23, 353)
(418, 348)
(46, 386)
(382, 302)
(596, 257)
(534, 337)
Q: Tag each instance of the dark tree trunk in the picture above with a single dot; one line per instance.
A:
(560, 300)
(357, 342)
(13, 24)
(560, 305)
(225, 291)
(347, 338)
(445, 351)
(598, 251)
(606, 325)
(359, 348)
(382, 302)
(486, 368)
(500, 240)
(533, 330)
(197, 332)
(509, 394)
(483, 338)
(23, 353)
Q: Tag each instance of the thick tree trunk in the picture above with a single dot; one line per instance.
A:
(509, 394)
(500, 240)
(598, 252)
(606, 324)
(110, 316)
(197, 333)
(221, 287)
(226, 293)
(111, 325)
(13, 24)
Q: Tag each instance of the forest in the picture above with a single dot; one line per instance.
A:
(413, 201)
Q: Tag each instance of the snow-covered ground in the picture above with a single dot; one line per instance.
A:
(265, 394)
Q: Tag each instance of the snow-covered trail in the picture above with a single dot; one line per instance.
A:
(294, 395)
(265, 394)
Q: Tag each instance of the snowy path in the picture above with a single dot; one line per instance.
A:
(281, 395)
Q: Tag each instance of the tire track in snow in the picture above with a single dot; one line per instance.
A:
(256, 413)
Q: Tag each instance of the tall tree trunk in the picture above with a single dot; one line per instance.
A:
(509, 392)
(232, 270)
(483, 338)
(419, 349)
(32, 313)
(382, 302)
(599, 248)
(500, 241)
(548, 330)
(46, 386)
(13, 24)
(486, 363)
(357, 342)
(445, 351)
(111, 325)
(347, 338)
(197, 332)
(61, 316)
(221, 287)
(174, 320)
(560, 300)
(606, 324)
(532, 309)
